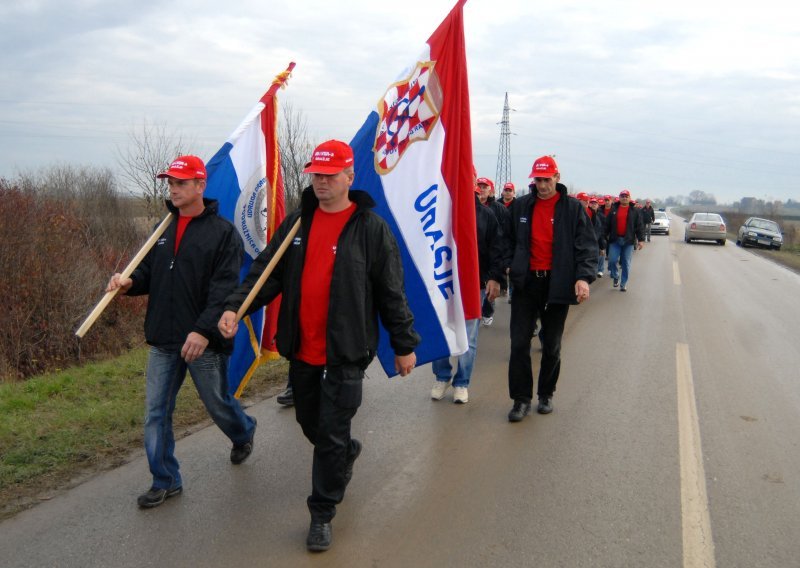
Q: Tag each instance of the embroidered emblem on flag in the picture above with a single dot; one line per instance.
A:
(408, 112)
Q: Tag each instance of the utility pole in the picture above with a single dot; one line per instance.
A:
(504, 152)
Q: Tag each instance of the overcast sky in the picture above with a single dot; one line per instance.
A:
(661, 98)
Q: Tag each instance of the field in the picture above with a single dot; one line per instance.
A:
(58, 428)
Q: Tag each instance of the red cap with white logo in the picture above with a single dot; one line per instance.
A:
(544, 167)
(329, 158)
(185, 167)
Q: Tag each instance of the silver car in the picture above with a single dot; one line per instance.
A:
(706, 227)
(661, 223)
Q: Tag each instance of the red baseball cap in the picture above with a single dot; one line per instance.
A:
(544, 167)
(185, 167)
(486, 181)
(330, 158)
(582, 196)
(601, 200)
(593, 200)
(509, 185)
(624, 192)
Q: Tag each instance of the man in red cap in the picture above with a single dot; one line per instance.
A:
(490, 268)
(598, 223)
(509, 194)
(345, 265)
(488, 199)
(554, 259)
(624, 230)
(187, 275)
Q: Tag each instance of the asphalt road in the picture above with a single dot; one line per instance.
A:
(674, 442)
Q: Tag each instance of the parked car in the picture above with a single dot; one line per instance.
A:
(661, 224)
(706, 227)
(760, 232)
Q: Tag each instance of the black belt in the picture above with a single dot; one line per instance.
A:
(540, 273)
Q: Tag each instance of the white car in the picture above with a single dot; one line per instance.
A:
(661, 224)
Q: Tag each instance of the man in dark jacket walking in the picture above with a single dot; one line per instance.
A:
(599, 225)
(345, 265)
(648, 217)
(490, 261)
(554, 261)
(624, 230)
(188, 275)
(487, 199)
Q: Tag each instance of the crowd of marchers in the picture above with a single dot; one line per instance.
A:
(542, 250)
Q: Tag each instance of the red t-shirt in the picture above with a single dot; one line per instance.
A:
(622, 220)
(183, 222)
(542, 233)
(315, 284)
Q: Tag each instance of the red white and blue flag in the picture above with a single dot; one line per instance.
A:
(245, 177)
(414, 157)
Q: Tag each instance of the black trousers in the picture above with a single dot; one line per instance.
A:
(325, 401)
(530, 302)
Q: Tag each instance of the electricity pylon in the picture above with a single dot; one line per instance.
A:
(504, 152)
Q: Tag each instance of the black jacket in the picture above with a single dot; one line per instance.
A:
(599, 226)
(503, 216)
(490, 245)
(367, 281)
(187, 289)
(575, 249)
(649, 214)
(634, 228)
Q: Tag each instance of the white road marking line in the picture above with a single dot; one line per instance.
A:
(676, 273)
(698, 542)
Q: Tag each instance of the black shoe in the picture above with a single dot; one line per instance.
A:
(286, 398)
(241, 452)
(348, 471)
(154, 497)
(616, 282)
(545, 405)
(319, 536)
(519, 411)
(622, 288)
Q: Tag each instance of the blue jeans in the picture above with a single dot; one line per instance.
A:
(443, 369)
(165, 373)
(619, 251)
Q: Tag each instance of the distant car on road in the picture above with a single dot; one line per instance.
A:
(760, 232)
(661, 224)
(706, 227)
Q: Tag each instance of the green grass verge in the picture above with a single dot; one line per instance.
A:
(57, 426)
(788, 256)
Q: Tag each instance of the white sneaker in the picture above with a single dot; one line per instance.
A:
(600, 274)
(461, 396)
(438, 390)
(487, 321)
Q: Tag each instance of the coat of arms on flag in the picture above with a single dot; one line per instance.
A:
(408, 112)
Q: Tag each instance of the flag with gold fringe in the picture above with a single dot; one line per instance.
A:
(245, 177)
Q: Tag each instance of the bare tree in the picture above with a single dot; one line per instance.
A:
(150, 151)
(295, 148)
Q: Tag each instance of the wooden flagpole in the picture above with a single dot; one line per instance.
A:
(268, 270)
(103, 303)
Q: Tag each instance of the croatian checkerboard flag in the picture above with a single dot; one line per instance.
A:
(414, 156)
(245, 177)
